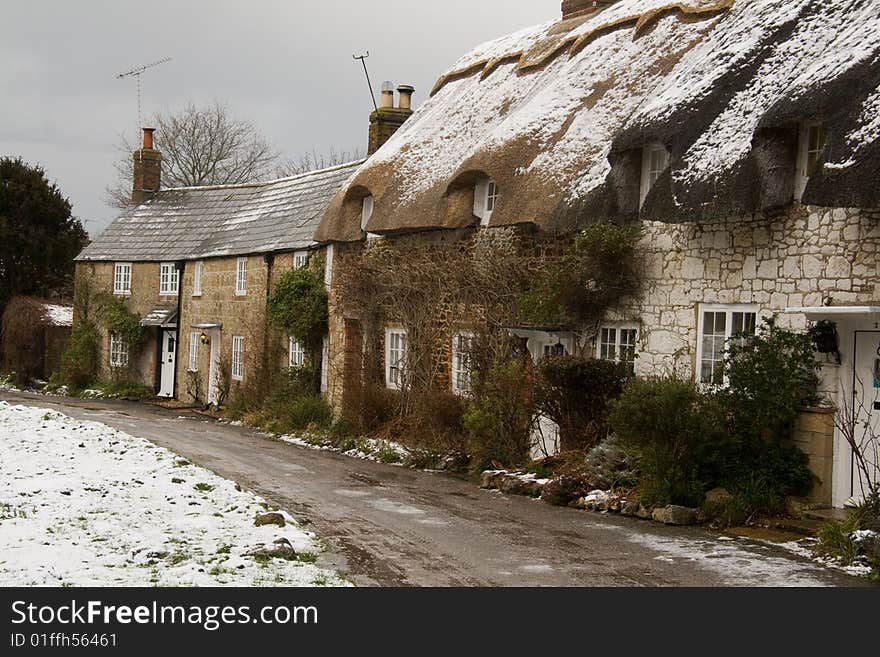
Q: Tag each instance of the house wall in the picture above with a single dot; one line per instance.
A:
(798, 259)
(144, 297)
(239, 315)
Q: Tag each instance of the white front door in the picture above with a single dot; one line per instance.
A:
(169, 357)
(214, 368)
(863, 423)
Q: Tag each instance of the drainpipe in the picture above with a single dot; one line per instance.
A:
(269, 259)
(181, 267)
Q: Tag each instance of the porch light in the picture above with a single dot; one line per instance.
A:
(203, 338)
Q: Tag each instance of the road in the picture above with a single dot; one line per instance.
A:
(390, 526)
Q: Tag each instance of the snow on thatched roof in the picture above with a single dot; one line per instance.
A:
(552, 112)
(227, 220)
(56, 314)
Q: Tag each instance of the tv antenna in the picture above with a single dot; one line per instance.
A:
(363, 59)
(137, 73)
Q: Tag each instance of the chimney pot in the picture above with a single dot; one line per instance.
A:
(387, 100)
(148, 138)
(406, 93)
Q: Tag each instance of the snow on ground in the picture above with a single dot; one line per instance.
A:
(737, 562)
(82, 504)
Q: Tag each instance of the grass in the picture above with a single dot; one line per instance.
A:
(204, 488)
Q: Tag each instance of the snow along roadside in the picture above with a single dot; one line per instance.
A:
(82, 504)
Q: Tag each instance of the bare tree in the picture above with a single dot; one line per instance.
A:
(315, 161)
(200, 146)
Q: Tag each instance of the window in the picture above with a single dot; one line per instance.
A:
(169, 278)
(810, 148)
(366, 211)
(462, 344)
(618, 344)
(237, 357)
(122, 278)
(395, 358)
(118, 351)
(718, 325)
(296, 354)
(300, 259)
(486, 195)
(197, 279)
(194, 339)
(241, 277)
(655, 160)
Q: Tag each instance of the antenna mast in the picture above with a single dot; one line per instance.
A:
(137, 73)
(363, 59)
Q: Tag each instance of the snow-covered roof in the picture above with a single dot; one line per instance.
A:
(230, 220)
(552, 112)
(55, 314)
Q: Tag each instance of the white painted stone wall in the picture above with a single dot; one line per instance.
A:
(797, 259)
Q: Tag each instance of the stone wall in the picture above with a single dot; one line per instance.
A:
(814, 436)
(802, 258)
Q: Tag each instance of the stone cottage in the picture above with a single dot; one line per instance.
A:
(741, 134)
(197, 265)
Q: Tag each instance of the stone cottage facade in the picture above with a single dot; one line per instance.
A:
(198, 265)
(742, 135)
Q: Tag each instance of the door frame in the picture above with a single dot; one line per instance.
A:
(163, 355)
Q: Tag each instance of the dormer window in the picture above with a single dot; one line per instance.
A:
(655, 160)
(485, 199)
(810, 148)
(366, 211)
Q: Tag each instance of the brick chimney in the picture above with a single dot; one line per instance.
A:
(385, 121)
(147, 170)
(578, 8)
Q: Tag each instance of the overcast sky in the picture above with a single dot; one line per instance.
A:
(284, 65)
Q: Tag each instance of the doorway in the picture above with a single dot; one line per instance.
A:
(168, 363)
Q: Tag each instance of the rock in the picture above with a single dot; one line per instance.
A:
(579, 503)
(270, 519)
(614, 503)
(490, 479)
(795, 506)
(514, 484)
(675, 515)
(597, 500)
(455, 461)
(718, 496)
(645, 512)
(282, 541)
(628, 508)
(276, 551)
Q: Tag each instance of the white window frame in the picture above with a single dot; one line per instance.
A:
(618, 344)
(237, 358)
(806, 168)
(729, 311)
(300, 259)
(395, 357)
(367, 207)
(118, 351)
(197, 278)
(195, 339)
(296, 354)
(462, 371)
(169, 279)
(122, 278)
(241, 277)
(655, 160)
(486, 194)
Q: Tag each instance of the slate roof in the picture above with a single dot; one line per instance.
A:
(232, 220)
(550, 111)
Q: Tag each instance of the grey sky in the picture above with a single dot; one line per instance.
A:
(285, 66)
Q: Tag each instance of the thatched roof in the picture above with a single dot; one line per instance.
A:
(228, 220)
(557, 116)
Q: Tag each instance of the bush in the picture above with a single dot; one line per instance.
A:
(304, 413)
(668, 426)
(23, 345)
(79, 365)
(575, 392)
(772, 375)
(298, 305)
(499, 419)
(610, 466)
